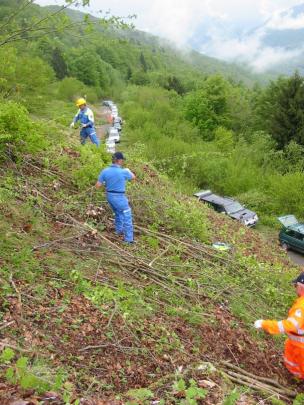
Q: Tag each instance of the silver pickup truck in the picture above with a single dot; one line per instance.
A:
(228, 206)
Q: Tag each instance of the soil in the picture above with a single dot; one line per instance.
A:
(127, 358)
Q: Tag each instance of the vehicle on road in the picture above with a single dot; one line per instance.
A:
(113, 134)
(118, 120)
(110, 145)
(228, 206)
(291, 235)
(107, 103)
(117, 126)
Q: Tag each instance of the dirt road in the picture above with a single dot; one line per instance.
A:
(297, 258)
(102, 114)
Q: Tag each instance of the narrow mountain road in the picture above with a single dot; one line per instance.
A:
(296, 258)
(102, 114)
(271, 235)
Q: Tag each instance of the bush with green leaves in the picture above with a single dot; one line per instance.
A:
(69, 89)
(139, 396)
(191, 392)
(29, 376)
(232, 398)
(17, 129)
(89, 164)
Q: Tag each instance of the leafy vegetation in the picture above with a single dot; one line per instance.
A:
(222, 147)
(89, 316)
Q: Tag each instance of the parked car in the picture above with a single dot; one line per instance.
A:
(118, 120)
(228, 206)
(113, 134)
(117, 126)
(107, 103)
(110, 145)
(291, 235)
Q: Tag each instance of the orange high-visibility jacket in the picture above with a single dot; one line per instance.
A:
(293, 326)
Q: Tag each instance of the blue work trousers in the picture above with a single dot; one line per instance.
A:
(89, 133)
(123, 215)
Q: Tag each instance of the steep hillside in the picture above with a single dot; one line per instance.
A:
(86, 317)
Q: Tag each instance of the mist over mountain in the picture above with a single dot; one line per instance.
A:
(276, 46)
(265, 36)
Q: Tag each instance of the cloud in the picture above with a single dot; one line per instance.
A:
(249, 50)
(286, 21)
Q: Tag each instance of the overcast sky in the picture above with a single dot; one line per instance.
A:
(177, 18)
(192, 21)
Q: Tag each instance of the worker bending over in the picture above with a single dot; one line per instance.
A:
(293, 326)
(86, 118)
(114, 179)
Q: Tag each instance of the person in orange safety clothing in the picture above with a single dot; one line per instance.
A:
(293, 326)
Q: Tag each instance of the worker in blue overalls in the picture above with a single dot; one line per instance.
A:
(114, 179)
(86, 118)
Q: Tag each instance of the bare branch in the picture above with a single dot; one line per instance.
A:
(16, 35)
(18, 11)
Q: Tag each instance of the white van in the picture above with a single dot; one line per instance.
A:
(114, 135)
(110, 146)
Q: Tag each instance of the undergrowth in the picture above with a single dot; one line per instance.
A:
(54, 254)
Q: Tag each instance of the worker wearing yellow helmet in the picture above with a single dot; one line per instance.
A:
(86, 118)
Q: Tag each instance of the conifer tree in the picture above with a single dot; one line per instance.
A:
(281, 110)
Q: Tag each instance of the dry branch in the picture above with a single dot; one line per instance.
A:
(112, 314)
(17, 348)
(6, 325)
(247, 373)
(243, 377)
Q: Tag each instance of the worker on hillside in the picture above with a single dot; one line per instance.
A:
(114, 179)
(293, 326)
(86, 118)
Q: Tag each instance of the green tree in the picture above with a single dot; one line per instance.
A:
(140, 78)
(143, 62)
(23, 20)
(280, 110)
(174, 83)
(207, 107)
(58, 63)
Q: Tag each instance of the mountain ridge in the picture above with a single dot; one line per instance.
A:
(204, 63)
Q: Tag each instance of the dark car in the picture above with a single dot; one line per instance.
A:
(107, 103)
(228, 206)
(291, 235)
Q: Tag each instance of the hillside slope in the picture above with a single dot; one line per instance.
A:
(86, 317)
(88, 320)
(172, 58)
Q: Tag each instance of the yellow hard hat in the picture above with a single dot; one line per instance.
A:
(80, 101)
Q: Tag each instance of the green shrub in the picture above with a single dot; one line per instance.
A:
(16, 128)
(90, 162)
(287, 192)
(69, 89)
